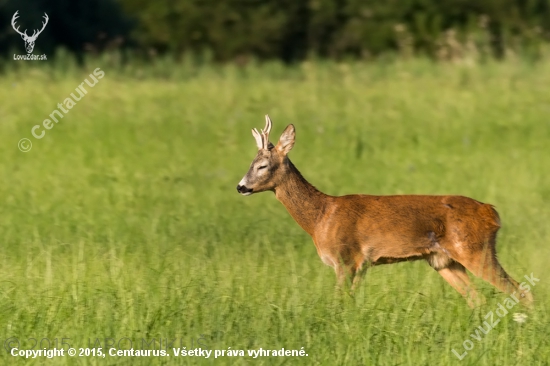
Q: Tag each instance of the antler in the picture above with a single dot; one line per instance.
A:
(43, 25)
(13, 19)
(24, 34)
(262, 138)
(265, 132)
(258, 138)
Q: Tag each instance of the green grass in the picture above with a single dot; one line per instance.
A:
(124, 221)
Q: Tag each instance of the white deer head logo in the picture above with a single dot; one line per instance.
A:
(29, 40)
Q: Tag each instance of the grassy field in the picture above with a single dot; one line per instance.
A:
(122, 225)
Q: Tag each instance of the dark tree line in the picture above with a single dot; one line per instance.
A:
(283, 29)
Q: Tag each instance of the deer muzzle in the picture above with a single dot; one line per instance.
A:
(243, 190)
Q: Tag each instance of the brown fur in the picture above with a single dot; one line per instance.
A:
(452, 233)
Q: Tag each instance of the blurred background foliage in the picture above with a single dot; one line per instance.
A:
(288, 30)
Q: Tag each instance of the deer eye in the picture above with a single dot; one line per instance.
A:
(262, 167)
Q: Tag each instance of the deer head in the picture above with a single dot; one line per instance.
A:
(270, 164)
(29, 40)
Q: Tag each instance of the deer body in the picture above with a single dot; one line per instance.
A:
(353, 232)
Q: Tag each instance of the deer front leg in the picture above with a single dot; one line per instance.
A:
(347, 275)
(359, 274)
(341, 274)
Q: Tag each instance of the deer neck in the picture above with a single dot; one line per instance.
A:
(304, 202)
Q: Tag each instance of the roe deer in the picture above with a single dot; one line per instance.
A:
(356, 231)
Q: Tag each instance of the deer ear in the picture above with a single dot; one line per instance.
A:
(286, 141)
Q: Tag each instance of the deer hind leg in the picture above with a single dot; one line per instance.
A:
(484, 264)
(455, 274)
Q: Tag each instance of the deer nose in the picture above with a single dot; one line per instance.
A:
(243, 189)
